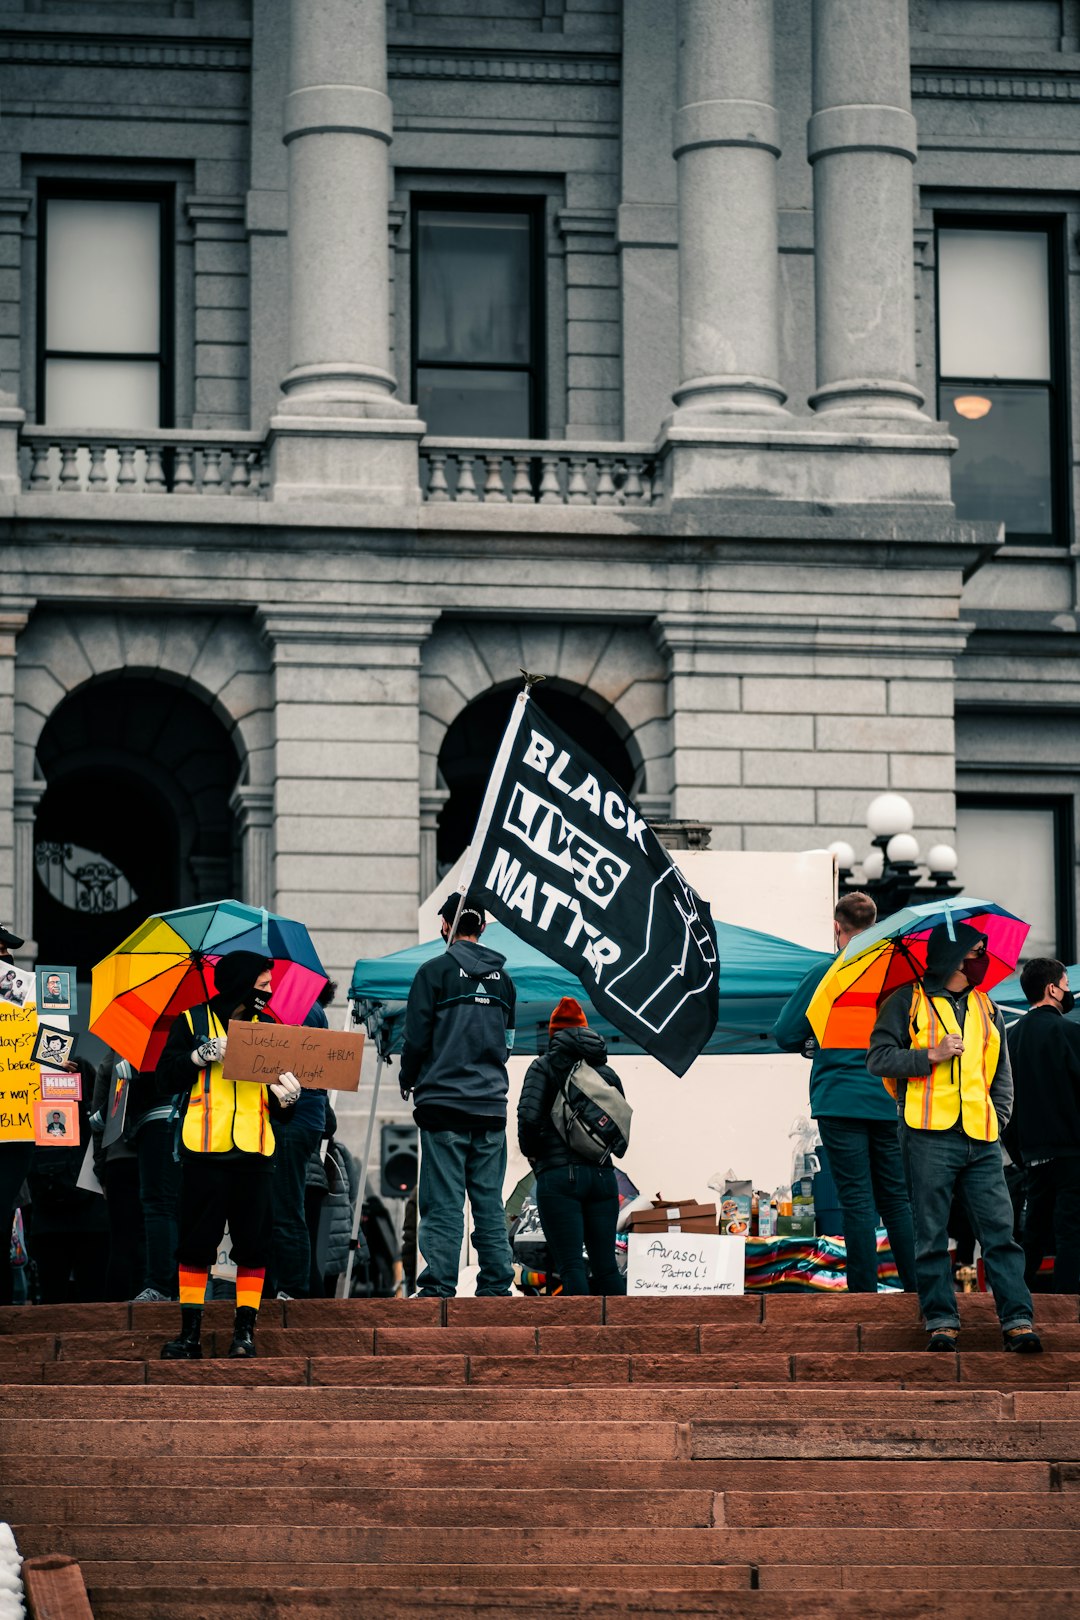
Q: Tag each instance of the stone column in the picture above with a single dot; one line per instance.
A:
(347, 771)
(726, 144)
(432, 801)
(26, 801)
(16, 877)
(862, 143)
(338, 431)
(253, 808)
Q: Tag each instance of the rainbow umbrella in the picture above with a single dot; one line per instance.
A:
(167, 966)
(845, 1005)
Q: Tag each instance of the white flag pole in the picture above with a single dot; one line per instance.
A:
(491, 794)
(345, 1282)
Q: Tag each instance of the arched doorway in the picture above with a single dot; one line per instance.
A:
(135, 817)
(472, 740)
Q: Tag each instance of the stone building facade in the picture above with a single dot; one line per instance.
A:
(261, 614)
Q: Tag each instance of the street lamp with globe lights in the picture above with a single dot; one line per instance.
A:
(893, 872)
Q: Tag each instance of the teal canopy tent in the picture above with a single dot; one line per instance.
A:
(757, 974)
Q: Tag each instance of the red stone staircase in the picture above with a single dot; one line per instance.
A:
(698, 1457)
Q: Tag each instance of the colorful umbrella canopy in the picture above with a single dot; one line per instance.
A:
(845, 1005)
(167, 966)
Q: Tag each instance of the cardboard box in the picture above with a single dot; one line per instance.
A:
(691, 1223)
(689, 1216)
(675, 1208)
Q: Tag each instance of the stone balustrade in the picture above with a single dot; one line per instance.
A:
(165, 462)
(535, 472)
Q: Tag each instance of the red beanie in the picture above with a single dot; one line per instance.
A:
(567, 1015)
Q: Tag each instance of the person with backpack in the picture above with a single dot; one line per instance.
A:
(227, 1152)
(570, 1125)
(459, 1030)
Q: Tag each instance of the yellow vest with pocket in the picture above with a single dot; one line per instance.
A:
(958, 1088)
(224, 1114)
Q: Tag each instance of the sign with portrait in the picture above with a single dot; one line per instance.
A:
(56, 1124)
(57, 991)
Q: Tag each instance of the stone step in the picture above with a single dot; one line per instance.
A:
(990, 1581)
(943, 1476)
(483, 1603)
(352, 1544)
(379, 1505)
(537, 1507)
(884, 1437)
(639, 1401)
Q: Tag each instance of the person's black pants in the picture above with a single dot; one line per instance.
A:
(14, 1163)
(1053, 1218)
(71, 1265)
(290, 1266)
(218, 1191)
(159, 1193)
(579, 1206)
(123, 1278)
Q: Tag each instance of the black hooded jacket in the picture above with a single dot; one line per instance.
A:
(459, 1031)
(1045, 1051)
(537, 1137)
(890, 1052)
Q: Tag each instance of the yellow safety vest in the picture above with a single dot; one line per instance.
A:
(959, 1088)
(224, 1114)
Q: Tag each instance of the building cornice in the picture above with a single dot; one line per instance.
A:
(990, 84)
(521, 66)
(140, 51)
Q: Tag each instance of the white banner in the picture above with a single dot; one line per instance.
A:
(684, 1263)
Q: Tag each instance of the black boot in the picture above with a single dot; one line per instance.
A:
(243, 1338)
(186, 1346)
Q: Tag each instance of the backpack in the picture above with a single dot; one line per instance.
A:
(591, 1115)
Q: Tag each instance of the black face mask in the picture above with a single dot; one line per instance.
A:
(975, 969)
(1067, 1002)
(258, 1000)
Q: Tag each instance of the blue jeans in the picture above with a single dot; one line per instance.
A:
(453, 1164)
(864, 1157)
(939, 1163)
(579, 1204)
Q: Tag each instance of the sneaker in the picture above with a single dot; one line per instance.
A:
(942, 1339)
(280, 1295)
(150, 1296)
(1024, 1340)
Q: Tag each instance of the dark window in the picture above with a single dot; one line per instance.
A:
(1001, 387)
(1017, 850)
(477, 318)
(104, 337)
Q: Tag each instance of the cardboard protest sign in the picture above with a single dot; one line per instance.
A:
(58, 1083)
(53, 1046)
(57, 990)
(56, 1124)
(20, 1082)
(685, 1263)
(322, 1059)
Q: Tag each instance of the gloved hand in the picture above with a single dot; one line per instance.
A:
(211, 1051)
(287, 1089)
(405, 1089)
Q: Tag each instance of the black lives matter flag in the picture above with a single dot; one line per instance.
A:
(564, 859)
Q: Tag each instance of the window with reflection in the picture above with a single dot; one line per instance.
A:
(477, 320)
(103, 357)
(999, 373)
(1018, 851)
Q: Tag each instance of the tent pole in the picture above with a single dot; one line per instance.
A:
(345, 1283)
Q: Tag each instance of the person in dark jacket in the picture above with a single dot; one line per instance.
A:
(290, 1264)
(227, 1148)
(939, 1044)
(578, 1198)
(1044, 1132)
(459, 1031)
(143, 1179)
(857, 1120)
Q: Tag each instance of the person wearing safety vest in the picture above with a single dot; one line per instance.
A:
(226, 1154)
(939, 1046)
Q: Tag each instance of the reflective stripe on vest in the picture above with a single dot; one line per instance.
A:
(222, 1115)
(958, 1088)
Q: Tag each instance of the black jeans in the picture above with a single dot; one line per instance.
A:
(217, 1190)
(1054, 1206)
(123, 1279)
(290, 1264)
(864, 1157)
(159, 1194)
(579, 1206)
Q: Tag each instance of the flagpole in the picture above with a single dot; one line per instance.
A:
(491, 794)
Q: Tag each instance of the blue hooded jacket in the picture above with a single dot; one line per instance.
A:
(839, 1082)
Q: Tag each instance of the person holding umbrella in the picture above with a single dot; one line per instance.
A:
(939, 1045)
(227, 1151)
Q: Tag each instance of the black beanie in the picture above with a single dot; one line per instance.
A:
(944, 955)
(235, 975)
